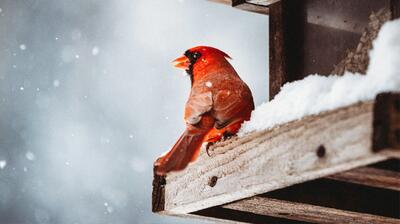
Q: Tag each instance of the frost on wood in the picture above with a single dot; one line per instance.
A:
(315, 93)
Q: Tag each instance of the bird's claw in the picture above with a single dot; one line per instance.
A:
(209, 144)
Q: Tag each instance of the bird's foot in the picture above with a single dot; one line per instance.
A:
(227, 135)
(208, 145)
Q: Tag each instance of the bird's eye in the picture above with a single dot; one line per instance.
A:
(196, 55)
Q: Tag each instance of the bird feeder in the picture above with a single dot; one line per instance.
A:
(339, 166)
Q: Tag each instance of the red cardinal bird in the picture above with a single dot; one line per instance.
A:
(218, 104)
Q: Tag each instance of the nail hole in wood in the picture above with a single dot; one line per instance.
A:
(321, 151)
(213, 181)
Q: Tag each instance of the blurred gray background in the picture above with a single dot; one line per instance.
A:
(88, 100)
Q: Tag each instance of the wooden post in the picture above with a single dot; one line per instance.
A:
(386, 122)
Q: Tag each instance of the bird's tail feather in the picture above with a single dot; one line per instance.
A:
(185, 150)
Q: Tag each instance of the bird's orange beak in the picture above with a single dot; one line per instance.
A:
(181, 62)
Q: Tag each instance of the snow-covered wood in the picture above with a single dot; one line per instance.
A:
(295, 152)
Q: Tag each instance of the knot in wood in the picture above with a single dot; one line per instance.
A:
(321, 151)
(213, 181)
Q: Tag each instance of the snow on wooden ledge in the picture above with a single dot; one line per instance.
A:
(295, 152)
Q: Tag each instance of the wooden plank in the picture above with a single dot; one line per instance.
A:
(370, 177)
(305, 212)
(262, 2)
(342, 195)
(395, 8)
(386, 122)
(277, 60)
(273, 159)
(253, 8)
(225, 214)
(207, 218)
(245, 5)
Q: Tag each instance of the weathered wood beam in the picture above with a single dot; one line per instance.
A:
(247, 5)
(370, 177)
(313, 147)
(386, 122)
(304, 212)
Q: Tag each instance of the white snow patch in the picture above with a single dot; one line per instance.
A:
(3, 164)
(22, 47)
(30, 156)
(315, 93)
(209, 84)
(95, 50)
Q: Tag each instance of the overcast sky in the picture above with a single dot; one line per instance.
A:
(88, 100)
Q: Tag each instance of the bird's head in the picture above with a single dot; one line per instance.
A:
(199, 56)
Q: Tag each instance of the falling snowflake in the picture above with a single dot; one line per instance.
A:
(95, 50)
(3, 164)
(209, 84)
(22, 47)
(56, 83)
(30, 156)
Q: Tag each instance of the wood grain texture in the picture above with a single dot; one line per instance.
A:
(246, 5)
(253, 8)
(304, 212)
(262, 2)
(277, 59)
(273, 159)
(371, 177)
(386, 122)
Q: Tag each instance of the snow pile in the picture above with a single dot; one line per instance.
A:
(315, 93)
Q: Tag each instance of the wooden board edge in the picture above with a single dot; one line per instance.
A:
(188, 208)
(386, 121)
(158, 193)
(304, 212)
(369, 176)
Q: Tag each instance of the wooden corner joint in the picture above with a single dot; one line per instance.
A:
(158, 194)
(386, 122)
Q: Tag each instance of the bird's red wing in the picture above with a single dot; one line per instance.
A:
(198, 104)
(232, 105)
